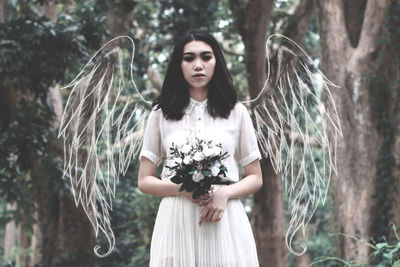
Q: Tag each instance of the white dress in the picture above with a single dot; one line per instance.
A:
(178, 240)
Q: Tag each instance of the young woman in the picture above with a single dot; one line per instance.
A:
(198, 99)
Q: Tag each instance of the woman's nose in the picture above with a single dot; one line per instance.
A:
(198, 65)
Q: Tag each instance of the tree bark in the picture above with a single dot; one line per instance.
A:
(267, 214)
(76, 237)
(120, 17)
(35, 242)
(268, 219)
(24, 242)
(60, 245)
(364, 106)
(305, 259)
(49, 10)
(302, 16)
(67, 238)
(10, 234)
(1, 11)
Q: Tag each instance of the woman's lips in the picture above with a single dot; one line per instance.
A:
(199, 76)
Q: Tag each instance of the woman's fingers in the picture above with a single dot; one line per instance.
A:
(203, 215)
(217, 216)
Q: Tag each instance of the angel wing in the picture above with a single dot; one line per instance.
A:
(102, 128)
(297, 126)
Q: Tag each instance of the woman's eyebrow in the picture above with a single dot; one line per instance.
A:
(202, 53)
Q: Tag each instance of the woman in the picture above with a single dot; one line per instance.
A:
(198, 99)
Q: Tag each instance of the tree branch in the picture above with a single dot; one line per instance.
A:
(332, 29)
(372, 30)
(302, 16)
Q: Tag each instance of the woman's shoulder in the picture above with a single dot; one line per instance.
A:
(155, 112)
(239, 109)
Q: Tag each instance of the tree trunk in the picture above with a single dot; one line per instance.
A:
(49, 10)
(120, 18)
(76, 236)
(35, 242)
(1, 11)
(268, 216)
(69, 6)
(60, 244)
(269, 221)
(10, 234)
(305, 259)
(24, 243)
(68, 236)
(356, 58)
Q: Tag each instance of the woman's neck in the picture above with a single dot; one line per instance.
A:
(199, 94)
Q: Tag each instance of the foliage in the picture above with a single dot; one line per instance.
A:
(383, 254)
(34, 55)
(29, 46)
(180, 15)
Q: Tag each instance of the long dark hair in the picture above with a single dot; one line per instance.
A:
(175, 96)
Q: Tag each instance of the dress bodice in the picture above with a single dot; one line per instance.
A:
(235, 134)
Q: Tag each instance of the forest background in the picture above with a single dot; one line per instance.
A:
(44, 44)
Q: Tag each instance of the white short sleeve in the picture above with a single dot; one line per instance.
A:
(152, 143)
(247, 147)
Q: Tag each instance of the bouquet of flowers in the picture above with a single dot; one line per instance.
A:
(197, 166)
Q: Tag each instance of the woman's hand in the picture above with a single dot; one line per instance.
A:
(202, 201)
(214, 210)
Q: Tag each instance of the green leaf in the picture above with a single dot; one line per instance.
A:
(207, 173)
(381, 245)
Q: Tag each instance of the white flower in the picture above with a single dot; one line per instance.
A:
(217, 150)
(198, 156)
(185, 149)
(214, 170)
(178, 160)
(187, 160)
(197, 176)
(208, 152)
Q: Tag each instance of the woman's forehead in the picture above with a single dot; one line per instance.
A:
(197, 47)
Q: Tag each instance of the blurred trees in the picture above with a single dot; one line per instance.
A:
(35, 53)
(44, 44)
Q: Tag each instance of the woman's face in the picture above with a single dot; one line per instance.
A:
(198, 64)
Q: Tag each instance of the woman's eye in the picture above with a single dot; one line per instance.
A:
(206, 58)
(188, 59)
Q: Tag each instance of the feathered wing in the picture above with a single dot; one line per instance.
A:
(102, 128)
(297, 127)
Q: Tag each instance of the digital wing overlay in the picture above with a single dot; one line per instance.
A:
(297, 126)
(102, 127)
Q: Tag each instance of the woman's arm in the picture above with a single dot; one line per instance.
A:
(251, 183)
(149, 184)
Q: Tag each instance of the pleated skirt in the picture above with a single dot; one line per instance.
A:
(179, 241)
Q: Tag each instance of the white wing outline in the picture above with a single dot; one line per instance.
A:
(295, 113)
(102, 128)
